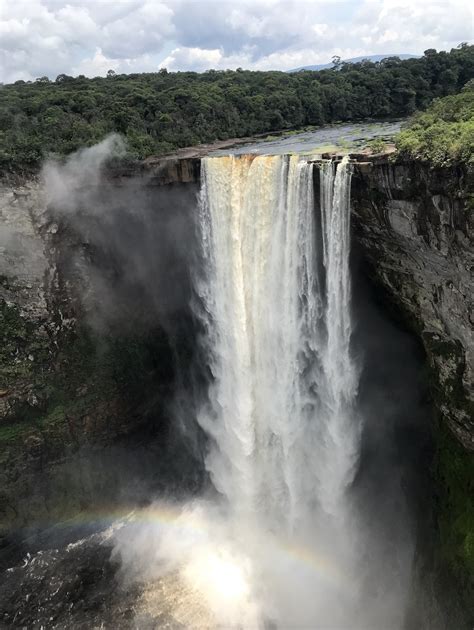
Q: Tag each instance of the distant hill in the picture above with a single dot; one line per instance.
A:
(324, 66)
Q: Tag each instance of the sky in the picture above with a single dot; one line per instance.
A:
(51, 37)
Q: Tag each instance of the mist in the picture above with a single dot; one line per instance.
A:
(123, 248)
(319, 533)
(130, 244)
(232, 558)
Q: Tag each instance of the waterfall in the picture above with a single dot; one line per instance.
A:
(284, 539)
(275, 305)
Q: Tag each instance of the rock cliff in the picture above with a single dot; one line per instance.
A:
(88, 347)
(415, 227)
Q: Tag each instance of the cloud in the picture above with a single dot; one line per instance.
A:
(50, 37)
(200, 59)
(38, 37)
(99, 64)
(144, 30)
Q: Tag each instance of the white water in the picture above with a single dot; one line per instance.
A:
(284, 542)
(278, 335)
(275, 304)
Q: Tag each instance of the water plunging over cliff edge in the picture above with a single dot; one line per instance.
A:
(275, 304)
(282, 539)
(281, 415)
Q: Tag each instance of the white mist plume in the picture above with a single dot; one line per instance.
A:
(81, 169)
(128, 243)
(190, 547)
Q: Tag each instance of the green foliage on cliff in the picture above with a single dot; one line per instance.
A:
(455, 483)
(158, 112)
(378, 145)
(444, 133)
(24, 346)
(88, 371)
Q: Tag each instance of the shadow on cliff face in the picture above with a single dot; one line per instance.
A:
(394, 490)
(394, 401)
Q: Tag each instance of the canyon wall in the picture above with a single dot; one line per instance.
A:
(88, 346)
(415, 227)
(89, 349)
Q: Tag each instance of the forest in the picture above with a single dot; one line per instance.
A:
(159, 112)
(444, 133)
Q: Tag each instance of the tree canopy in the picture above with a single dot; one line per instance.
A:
(159, 112)
(444, 133)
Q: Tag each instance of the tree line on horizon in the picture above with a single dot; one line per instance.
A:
(162, 111)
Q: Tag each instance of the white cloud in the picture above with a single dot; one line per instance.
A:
(196, 59)
(39, 37)
(99, 64)
(96, 66)
(145, 30)
(51, 37)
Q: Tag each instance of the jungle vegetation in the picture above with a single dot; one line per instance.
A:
(444, 133)
(159, 112)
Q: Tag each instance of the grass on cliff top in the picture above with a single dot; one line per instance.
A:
(444, 133)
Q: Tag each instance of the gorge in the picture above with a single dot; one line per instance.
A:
(231, 386)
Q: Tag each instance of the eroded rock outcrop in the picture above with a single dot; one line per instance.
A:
(415, 227)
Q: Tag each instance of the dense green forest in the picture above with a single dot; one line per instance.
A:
(159, 112)
(444, 133)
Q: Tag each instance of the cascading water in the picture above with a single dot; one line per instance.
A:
(281, 403)
(289, 537)
(275, 303)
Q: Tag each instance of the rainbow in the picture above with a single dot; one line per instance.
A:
(165, 516)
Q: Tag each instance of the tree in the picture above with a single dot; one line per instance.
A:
(336, 62)
(63, 78)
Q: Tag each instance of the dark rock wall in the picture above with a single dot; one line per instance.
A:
(415, 226)
(89, 348)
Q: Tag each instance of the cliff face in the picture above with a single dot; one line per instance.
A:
(69, 286)
(88, 348)
(24, 275)
(415, 227)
